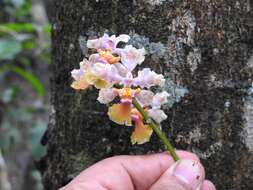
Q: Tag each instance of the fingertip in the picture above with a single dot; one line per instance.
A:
(183, 174)
(208, 185)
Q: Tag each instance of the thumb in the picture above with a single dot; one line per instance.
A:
(185, 174)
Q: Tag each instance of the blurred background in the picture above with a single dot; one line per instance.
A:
(24, 91)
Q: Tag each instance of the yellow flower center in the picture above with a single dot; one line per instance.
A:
(128, 93)
(109, 57)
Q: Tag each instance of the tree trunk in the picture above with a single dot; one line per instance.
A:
(203, 45)
(4, 182)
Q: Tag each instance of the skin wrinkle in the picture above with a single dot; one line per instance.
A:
(119, 161)
(161, 172)
(105, 186)
(127, 165)
(85, 186)
(100, 185)
(124, 171)
(134, 175)
(130, 176)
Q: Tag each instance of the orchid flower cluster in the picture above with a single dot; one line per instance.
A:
(110, 69)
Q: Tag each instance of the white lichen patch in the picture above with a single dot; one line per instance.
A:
(183, 28)
(176, 92)
(155, 49)
(186, 25)
(150, 4)
(248, 114)
(193, 137)
(213, 149)
(158, 52)
(227, 104)
(71, 48)
(250, 62)
(155, 2)
(194, 58)
(215, 82)
(82, 43)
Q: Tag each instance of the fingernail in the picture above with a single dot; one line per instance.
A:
(189, 172)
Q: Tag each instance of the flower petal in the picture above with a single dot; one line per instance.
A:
(157, 115)
(147, 78)
(121, 69)
(106, 72)
(120, 114)
(131, 57)
(106, 95)
(90, 77)
(100, 83)
(127, 80)
(159, 99)
(94, 58)
(93, 44)
(80, 84)
(108, 57)
(97, 81)
(121, 38)
(145, 97)
(77, 73)
(106, 42)
(141, 133)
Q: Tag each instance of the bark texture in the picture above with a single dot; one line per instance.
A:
(204, 45)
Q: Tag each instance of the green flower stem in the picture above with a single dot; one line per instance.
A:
(157, 130)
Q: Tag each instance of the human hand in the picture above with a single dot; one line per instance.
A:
(150, 172)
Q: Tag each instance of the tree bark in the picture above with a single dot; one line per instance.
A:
(204, 45)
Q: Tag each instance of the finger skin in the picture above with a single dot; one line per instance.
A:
(125, 172)
(208, 185)
(186, 174)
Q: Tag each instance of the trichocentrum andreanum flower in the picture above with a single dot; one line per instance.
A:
(110, 69)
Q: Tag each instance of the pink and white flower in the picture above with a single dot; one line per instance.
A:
(112, 66)
(131, 57)
(147, 78)
(153, 102)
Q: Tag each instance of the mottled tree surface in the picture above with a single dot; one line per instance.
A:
(204, 45)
